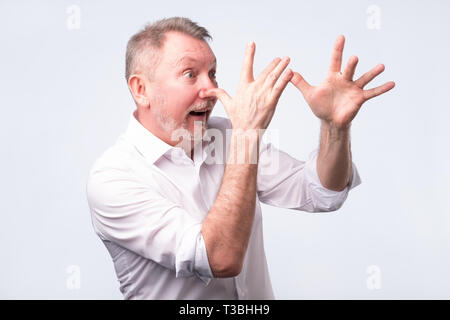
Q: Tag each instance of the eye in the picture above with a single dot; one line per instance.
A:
(212, 74)
(189, 74)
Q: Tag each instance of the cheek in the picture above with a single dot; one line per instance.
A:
(179, 99)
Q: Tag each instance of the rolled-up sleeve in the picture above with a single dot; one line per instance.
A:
(286, 182)
(322, 198)
(139, 218)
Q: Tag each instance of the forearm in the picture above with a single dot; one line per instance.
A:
(226, 229)
(334, 162)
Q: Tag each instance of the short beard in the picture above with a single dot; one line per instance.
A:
(167, 123)
(181, 132)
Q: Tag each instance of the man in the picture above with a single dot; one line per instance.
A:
(179, 226)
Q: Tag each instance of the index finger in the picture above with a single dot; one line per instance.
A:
(336, 56)
(247, 66)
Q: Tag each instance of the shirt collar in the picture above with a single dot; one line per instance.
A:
(149, 145)
(153, 148)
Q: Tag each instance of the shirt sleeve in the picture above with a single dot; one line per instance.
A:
(286, 182)
(139, 218)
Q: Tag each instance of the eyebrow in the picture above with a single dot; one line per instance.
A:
(181, 60)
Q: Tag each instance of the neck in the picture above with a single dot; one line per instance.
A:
(165, 136)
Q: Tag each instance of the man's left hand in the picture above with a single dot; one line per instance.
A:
(338, 99)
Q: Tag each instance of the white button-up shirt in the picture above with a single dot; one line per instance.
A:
(148, 200)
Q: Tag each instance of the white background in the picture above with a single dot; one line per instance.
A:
(64, 100)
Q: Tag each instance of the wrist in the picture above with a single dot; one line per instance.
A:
(332, 134)
(244, 147)
(336, 129)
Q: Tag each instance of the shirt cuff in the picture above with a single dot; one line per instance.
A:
(325, 199)
(192, 258)
(203, 270)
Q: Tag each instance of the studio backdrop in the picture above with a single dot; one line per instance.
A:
(64, 101)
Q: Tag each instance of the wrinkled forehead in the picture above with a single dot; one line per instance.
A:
(180, 49)
(191, 59)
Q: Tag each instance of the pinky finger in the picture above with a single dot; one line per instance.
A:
(282, 83)
(371, 93)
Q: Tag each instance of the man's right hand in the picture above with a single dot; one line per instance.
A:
(227, 227)
(256, 99)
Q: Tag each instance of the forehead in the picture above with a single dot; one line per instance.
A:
(180, 49)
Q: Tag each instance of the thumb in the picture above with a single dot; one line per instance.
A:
(298, 81)
(221, 94)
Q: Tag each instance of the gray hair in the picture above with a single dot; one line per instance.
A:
(142, 48)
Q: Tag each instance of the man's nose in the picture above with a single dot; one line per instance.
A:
(206, 85)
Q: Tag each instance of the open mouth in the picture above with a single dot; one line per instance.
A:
(195, 113)
(198, 114)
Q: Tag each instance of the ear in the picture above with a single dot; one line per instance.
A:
(140, 90)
